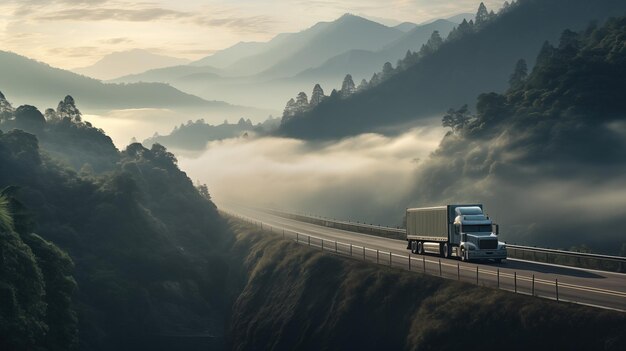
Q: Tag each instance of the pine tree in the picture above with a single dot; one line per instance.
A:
(482, 15)
(519, 74)
(374, 80)
(302, 102)
(463, 29)
(435, 41)
(290, 108)
(407, 61)
(347, 88)
(362, 86)
(387, 70)
(317, 96)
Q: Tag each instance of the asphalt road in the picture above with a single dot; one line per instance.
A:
(584, 286)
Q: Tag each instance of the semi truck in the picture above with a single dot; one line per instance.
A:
(462, 231)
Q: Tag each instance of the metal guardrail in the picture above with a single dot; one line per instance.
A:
(569, 253)
(553, 256)
(480, 275)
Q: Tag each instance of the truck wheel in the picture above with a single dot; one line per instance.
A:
(463, 257)
(414, 247)
(420, 248)
(446, 250)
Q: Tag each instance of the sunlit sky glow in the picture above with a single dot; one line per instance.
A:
(75, 33)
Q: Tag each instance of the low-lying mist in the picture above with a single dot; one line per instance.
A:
(373, 178)
(124, 125)
(361, 178)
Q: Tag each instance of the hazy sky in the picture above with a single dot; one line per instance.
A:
(74, 33)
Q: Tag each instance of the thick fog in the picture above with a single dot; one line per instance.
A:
(373, 178)
(358, 178)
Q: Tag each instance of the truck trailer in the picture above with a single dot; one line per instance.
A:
(463, 231)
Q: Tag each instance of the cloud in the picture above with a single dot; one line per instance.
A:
(77, 51)
(115, 14)
(354, 178)
(114, 41)
(256, 23)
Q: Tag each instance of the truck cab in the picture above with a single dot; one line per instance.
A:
(475, 236)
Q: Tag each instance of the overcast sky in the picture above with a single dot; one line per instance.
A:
(75, 33)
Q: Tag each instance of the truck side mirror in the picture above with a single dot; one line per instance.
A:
(497, 229)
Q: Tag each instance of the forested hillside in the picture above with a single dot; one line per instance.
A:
(147, 245)
(196, 135)
(476, 58)
(150, 264)
(555, 140)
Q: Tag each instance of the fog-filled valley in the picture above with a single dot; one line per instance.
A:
(120, 181)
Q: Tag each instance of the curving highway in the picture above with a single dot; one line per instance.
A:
(578, 285)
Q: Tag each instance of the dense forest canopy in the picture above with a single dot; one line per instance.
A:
(559, 127)
(146, 244)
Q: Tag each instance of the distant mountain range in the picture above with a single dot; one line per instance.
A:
(363, 63)
(24, 80)
(479, 61)
(405, 26)
(123, 63)
(226, 57)
(267, 74)
(347, 32)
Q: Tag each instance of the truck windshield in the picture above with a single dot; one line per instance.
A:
(477, 228)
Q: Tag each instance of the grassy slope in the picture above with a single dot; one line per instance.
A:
(298, 298)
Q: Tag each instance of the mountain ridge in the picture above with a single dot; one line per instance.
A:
(19, 74)
(122, 63)
(453, 75)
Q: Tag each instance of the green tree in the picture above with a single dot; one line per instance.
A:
(6, 220)
(6, 109)
(362, 86)
(375, 80)
(67, 109)
(457, 119)
(290, 108)
(204, 191)
(387, 70)
(482, 15)
(519, 74)
(317, 96)
(347, 87)
(29, 119)
(302, 102)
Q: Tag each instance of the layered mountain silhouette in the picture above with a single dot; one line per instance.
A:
(26, 80)
(123, 63)
(265, 74)
(480, 61)
(363, 63)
